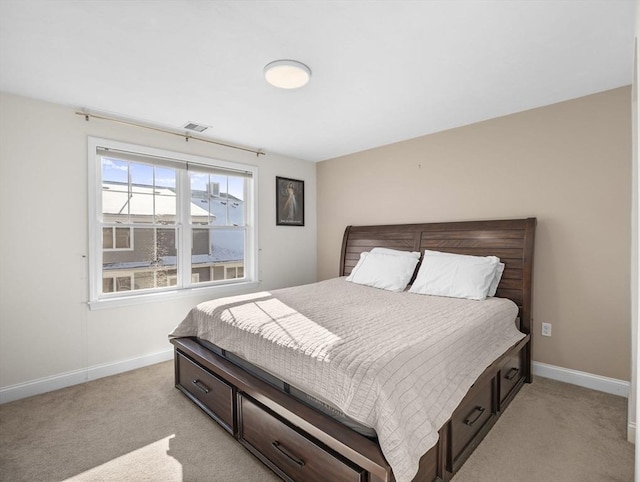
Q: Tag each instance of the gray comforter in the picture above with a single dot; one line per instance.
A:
(397, 362)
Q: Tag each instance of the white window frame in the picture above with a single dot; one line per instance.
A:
(185, 285)
(124, 274)
(113, 236)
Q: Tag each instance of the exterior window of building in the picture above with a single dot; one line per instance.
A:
(165, 221)
(115, 239)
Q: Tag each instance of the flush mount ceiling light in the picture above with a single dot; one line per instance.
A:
(287, 74)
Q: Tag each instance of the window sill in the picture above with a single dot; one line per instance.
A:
(213, 291)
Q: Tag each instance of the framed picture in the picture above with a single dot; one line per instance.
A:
(289, 202)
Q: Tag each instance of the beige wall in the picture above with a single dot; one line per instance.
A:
(46, 328)
(568, 164)
(635, 235)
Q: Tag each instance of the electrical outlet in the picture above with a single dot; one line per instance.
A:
(546, 329)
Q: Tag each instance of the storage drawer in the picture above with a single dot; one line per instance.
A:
(209, 392)
(291, 454)
(510, 374)
(468, 420)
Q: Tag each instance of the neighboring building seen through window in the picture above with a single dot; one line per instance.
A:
(149, 209)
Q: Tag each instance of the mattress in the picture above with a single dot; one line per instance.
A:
(399, 363)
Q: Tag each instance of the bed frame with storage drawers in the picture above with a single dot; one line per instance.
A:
(301, 444)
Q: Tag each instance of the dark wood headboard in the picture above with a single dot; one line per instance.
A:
(511, 240)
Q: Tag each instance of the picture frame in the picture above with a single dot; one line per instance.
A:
(289, 202)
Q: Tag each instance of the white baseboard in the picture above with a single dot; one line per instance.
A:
(75, 377)
(47, 384)
(582, 379)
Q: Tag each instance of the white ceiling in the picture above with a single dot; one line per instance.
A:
(383, 71)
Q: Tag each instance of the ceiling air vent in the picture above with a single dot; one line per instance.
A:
(192, 126)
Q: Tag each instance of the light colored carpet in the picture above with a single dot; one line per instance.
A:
(130, 427)
(137, 427)
(554, 431)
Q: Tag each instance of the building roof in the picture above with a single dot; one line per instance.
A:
(143, 201)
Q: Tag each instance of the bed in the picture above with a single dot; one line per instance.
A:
(292, 427)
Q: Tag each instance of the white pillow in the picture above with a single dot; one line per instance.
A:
(381, 270)
(397, 252)
(455, 275)
(496, 280)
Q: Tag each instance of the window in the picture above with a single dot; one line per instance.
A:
(116, 239)
(163, 221)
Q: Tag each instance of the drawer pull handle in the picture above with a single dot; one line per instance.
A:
(512, 373)
(289, 455)
(201, 385)
(470, 421)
